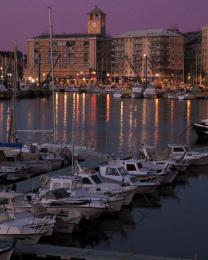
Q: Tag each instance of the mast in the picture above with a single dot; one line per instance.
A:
(12, 130)
(52, 76)
(196, 68)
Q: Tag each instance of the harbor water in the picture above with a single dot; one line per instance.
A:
(174, 222)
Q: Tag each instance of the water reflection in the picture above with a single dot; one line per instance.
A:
(109, 125)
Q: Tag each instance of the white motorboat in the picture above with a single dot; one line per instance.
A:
(152, 92)
(72, 89)
(58, 200)
(10, 230)
(26, 227)
(164, 170)
(29, 220)
(148, 154)
(172, 95)
(186, 96)
(11, 171)
(93, 182)
(113, 171)
(16, 202)
(137, 91)
(73, 185)
(117, 93)
(193, 158)
(23, 217)
(201, 128)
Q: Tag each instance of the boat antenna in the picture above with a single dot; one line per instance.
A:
(52, 75)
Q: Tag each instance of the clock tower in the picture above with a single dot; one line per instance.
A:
(96, 21)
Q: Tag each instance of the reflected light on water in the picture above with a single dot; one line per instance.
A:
(121, 136)
(65, 118)
(83, 108)
(188, 119)
(107, 108)
(83, 118)
(143, 120)
(93, 107)
(130, 136)
(93, 110)
(156, 121)
(172, 106)
(77, 108)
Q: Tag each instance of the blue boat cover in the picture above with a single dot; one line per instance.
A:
(11, 145)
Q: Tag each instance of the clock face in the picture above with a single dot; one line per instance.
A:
(94, 24)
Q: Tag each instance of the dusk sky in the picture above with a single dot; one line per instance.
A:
(22, 19)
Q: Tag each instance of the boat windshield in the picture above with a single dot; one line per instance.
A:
(178, 149)
(122, 171)
(139, 165)
(96, 179)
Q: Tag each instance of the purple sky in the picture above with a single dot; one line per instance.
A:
(22, 19)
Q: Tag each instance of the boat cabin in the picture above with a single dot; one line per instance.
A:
(178, 151)
(132, 166)
(89, 180)
(65, 182)
(113, 172)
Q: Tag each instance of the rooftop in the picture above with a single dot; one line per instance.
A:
(150, 33)
(96, 10)
(64, 36)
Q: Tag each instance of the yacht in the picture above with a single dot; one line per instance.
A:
(164, 170)
(11, 171)
(137, 91)
(118, 93)
(186, 96)
(113, 171)
(73, 185)
(57, 201)
(11, 230)
(201, 128)
(152, 92)
(193, 158)
(26, 227)
(148, 155)
(93, 182)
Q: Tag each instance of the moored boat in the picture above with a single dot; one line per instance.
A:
(201, 129)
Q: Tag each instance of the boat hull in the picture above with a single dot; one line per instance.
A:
(128, 196)
(201, 130)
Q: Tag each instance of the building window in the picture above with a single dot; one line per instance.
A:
(70, 43)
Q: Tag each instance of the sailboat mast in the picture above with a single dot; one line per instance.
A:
(196, 68)
(52, 76)
(14, 89)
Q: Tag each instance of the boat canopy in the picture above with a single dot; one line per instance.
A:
(11, 145)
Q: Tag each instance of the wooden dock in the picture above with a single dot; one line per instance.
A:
(50, 251)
